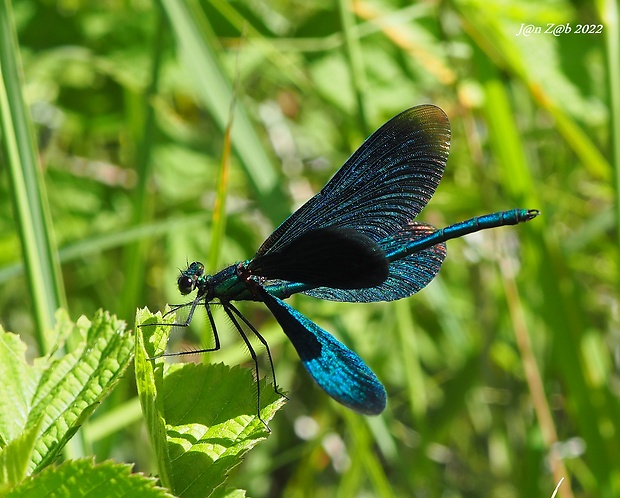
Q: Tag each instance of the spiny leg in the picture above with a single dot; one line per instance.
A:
(227, 308)
(264, 343)
(176, 307)
(194, 304)
(216, 337)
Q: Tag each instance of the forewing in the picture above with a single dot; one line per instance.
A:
(332, 257)
(383, 186)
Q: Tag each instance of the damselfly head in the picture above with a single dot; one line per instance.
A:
(188, 279)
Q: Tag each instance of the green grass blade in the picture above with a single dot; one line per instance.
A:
(98, 243)
(134, 266)
(218, 222)
(112, 421)
(369, 460)
(215, 90)
(27, 186)
(355, 61)
(416, 391)
(507, 145)
(609, 12)
(533, 375)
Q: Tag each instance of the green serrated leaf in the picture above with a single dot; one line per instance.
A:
(212, 422)
(210, 416)
(15, 457)
(19, 381)
(64, 330)
(151, 342)
(223, 492)
(55, 395)
(72, 387)
(84, 478)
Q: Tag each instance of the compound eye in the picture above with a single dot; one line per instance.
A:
(185, 284)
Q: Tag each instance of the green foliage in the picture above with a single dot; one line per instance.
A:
(28, 190)
(84, 478)
(43, 405)
(502, 374)
(201, 419)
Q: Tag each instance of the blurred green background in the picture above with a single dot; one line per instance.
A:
(502, 374)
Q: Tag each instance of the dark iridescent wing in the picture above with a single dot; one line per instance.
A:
(335, 368)
(383, 186)
(330, 257)
(406, 276)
